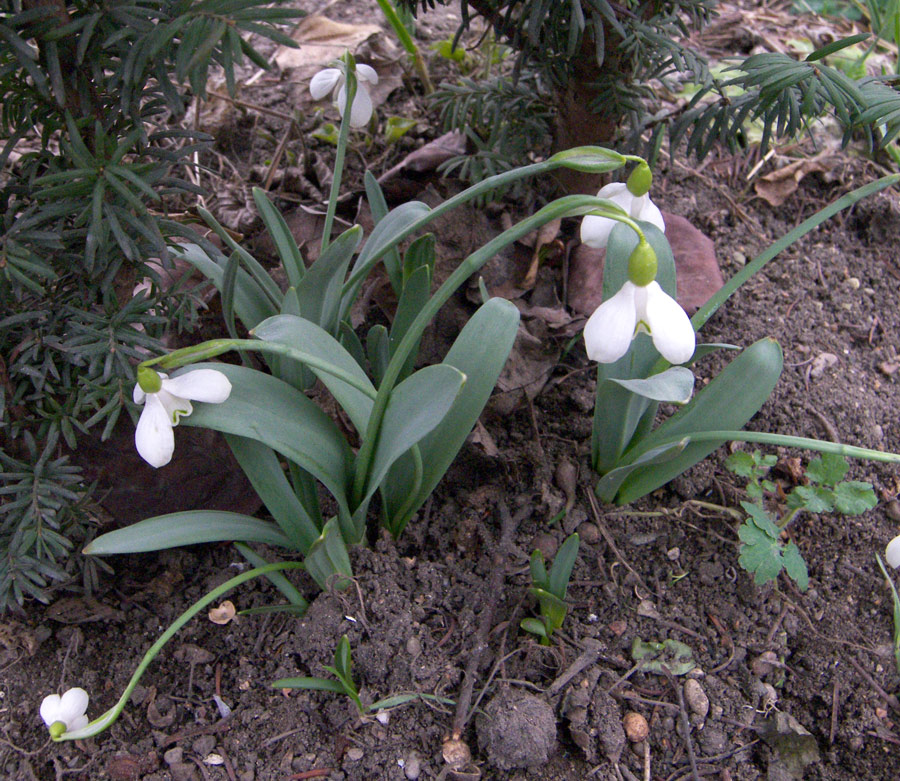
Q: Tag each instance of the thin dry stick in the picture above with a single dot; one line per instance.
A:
(508, 525)
(685, 723)
(835, 708)
(612, 545)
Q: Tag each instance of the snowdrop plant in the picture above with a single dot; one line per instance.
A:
(66, 713)
(644, 343)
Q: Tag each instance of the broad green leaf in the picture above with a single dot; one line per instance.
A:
(727, 402)
(609, 484)
(553, 609)
(675, 384)
(378, 350)
(187, 528)
(677, 657)
(288, 251)
(270, 411)
(760, 553)
(741, 463)
(300, 333)
(812, 498)
(319, 292)
(828, 469)
(854, 497)
(563, 563)
(415, 408)
(795, 566)
(383, 238)
(416, 289)
(536, 627)
(327, 558)
(261, 466)
(250, 303)
(277, 579)
(379, 208)
(419, 254)
(479, 352)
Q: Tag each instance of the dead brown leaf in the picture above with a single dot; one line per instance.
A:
(776, 187)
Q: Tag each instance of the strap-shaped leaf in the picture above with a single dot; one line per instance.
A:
(265, 474)
(563, 563)
(319, 292)
(187, 528)
(270, 411)
(675, 384)
(250, 303)
(379, 208)
(416, 290)
(284, 241)
(609, 484)
(480, 352)
(300, 333)
(728, 402)
(328, 557)
(416, 407)
(277, 579)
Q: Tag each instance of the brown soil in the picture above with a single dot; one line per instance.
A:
(663, 568)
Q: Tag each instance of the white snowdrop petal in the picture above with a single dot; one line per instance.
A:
(324, 82)
(609, 331)
(892, 552)
(362, 108)
(207, 385)
(366, 73)
(73, 704)
(50, 709)
(670, 327)
(153, 437)
(650, 213)
(595, 230)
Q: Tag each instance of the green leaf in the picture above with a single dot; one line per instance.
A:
(761, 519)
(675, 384)
(261, 466)
(828, 469)
(415, 408)
(563, 563)
(301, 334)
(342, 662)
(760, 553)
(742, 464)
(187, 528)
(379, 208)
(589, 159)
(327, 557)
(270, 411)
(288, 251)
(727, 402)
(536, 627)
(854, 497)
(677, 657)
(795, 566)
(539, 576)
(609, 484)
(378, 350)
(812, 498)
(316, 684)
(553, 609)
(479, 352)
(319, 292)
(277, 579)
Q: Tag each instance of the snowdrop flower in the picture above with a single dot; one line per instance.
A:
(640, 305)
(632, 198)
(892, 552)
(333, 80)
(165, 401)
(66, 713)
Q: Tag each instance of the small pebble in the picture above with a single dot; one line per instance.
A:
(636, 727)
(546, 544)
(893, 510)
(696, 698)
(413, 646)
(589, 533)
(204, 745)
(354, 754)
(412, 768)
(853, 283)
(173, 756)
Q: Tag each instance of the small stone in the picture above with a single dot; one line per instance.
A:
(764, 664)
(673, 554)
(696, 698)
(517, 730)
(821, 363)
(124, 768)
(546, 544)
(893, 510)
(636, 727)
(414, 646)
(853, 283)
(413, 767)
(589, 533)
(173, 756)
(456, 753)
(739, 257)
(355, 754)
(877, 432)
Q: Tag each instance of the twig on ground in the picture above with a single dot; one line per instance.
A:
(587, 658)
(890, 699)
(835, 708)
(508, 525)
(685, 723)
(609, 541)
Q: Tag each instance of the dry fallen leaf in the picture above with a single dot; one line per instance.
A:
(223, 613)
(322, 39)
(777, 186)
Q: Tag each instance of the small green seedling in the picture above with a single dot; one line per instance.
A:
(397, 127)
(345, 684)
(327, 132)
(550, 590)
(762, 552)
(342, 670)
(672, 655)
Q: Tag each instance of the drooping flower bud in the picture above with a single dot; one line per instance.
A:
(149, 379)
(640, 180)
(642, 264)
